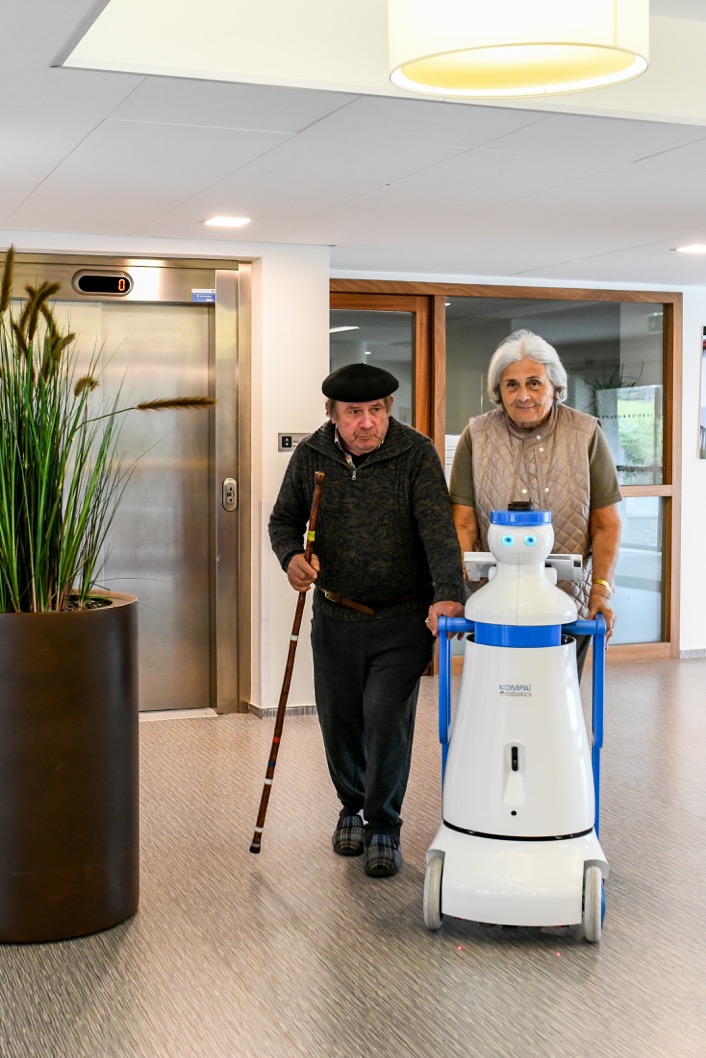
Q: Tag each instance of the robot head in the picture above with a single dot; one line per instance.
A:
(520, 537)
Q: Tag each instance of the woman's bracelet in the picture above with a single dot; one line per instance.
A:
(605, 584)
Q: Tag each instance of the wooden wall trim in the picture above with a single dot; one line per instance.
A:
(426, 299)
(647, 490)
(673, 459)
(422, 397)
(437, 316)
(381, 287)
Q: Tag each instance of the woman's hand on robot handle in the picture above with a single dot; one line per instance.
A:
(598, 603)
(302, 574)
(443, 609)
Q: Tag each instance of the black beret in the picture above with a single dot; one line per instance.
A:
(359, 382)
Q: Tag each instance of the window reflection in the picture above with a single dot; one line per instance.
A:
(613, 353)
(639, 577)
(384, 339)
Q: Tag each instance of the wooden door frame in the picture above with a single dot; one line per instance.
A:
(418, 306)
(430, 393)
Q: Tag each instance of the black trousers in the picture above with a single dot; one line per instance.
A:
(366, 678)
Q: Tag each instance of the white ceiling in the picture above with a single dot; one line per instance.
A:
(393, 184)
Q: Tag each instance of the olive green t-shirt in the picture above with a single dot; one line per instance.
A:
(604, 486)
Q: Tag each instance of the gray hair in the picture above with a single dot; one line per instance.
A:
(524, 345)
(330, 406)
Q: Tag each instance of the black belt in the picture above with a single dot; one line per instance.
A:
(333, 596)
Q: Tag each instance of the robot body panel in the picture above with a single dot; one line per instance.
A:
(519, 763)
(515, 883)
(518, 844)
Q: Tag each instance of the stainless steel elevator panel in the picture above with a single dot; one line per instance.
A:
(159, 546)
(173, 542)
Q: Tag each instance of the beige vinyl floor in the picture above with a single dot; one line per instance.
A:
(295, 953)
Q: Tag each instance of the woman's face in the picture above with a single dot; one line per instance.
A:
(527, 393)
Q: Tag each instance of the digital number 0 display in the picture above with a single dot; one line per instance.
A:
(111, 284)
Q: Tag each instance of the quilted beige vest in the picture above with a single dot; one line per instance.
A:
(550, 467)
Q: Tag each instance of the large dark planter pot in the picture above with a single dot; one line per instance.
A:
(69, 837)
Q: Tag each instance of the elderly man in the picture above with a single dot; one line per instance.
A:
(387, 565)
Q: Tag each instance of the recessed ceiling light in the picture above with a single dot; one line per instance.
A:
(227, 222)
(697, 247)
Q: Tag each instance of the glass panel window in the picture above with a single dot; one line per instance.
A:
(639, 577)
(613, 353)
(385, 339)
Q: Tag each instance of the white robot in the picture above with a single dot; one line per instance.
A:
(518, 845)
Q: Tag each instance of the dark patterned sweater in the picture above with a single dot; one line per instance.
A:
(385, 530)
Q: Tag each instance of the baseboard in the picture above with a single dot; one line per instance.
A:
(700, 653)
(177, 714)
(267, 711)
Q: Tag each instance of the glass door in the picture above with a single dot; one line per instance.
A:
(616, 356)
(622, 352)
(393, 333)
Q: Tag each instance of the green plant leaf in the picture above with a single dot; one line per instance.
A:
(61, 477)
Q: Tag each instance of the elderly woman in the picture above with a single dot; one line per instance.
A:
(534, 448)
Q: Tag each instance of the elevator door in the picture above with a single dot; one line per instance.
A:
(159, 543)
(170, 525)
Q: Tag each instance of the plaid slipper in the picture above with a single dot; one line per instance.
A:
(383, 857)
(349, 836)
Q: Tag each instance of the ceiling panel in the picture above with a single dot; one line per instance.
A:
(599, 137)
(485, 176)
(394, 184)
(50, 113)
(126, 172)
(235, 106)
(373, 120)
(313, 173)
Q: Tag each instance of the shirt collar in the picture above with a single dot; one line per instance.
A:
(544, 430)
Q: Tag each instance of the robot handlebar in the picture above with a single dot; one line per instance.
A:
(597, 627)
(479, 564)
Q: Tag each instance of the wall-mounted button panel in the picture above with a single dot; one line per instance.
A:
(287, 441)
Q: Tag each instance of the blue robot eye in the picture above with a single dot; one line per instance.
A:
(508, 540)
(530, 540)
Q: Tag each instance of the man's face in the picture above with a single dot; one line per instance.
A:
(527, 393)
(361, 425)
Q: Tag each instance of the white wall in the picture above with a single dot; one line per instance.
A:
(291, 359)
(693, 510)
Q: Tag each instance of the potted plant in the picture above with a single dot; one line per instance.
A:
(69, 852)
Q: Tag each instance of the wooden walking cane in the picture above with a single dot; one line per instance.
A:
(284, 693)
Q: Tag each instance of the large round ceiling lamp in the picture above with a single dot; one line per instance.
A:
(512, 48)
